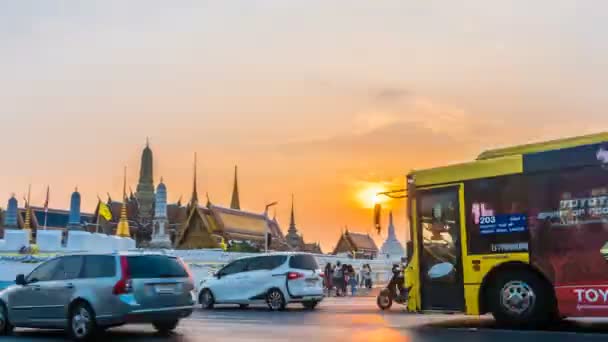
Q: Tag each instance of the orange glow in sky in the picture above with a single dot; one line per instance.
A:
(329, 102)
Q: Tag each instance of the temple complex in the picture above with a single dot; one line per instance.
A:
(147, 217)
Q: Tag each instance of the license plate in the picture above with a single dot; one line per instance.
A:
(164, 289)
(311, 281)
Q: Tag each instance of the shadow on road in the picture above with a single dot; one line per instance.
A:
(570, 326)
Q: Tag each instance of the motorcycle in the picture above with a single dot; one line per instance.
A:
(394, 292)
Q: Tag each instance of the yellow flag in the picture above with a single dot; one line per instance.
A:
(104, 211)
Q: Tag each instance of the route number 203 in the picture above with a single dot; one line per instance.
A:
(487, 219)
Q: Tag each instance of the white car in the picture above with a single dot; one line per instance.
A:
(275, 279)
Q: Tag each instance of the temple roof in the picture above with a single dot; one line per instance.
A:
(361, 241)
(238, 222)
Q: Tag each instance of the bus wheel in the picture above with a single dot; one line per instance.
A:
(521, 298)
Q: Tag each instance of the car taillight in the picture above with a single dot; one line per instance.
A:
(187, 269)
(322, 275)
(124, 285)
(294, 275)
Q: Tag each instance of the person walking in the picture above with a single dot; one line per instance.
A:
(344, 280)
(338, 278)
(368, 280)
(329, 277)
(352, 280)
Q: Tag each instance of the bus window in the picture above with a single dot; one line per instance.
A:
(496, 215)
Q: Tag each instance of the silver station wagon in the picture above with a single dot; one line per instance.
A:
(86, 294)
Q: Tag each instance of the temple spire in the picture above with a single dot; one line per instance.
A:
(391, 227)
(292, 219)
(28, 214)
(235, 203)
(194, 198)
(122, 229)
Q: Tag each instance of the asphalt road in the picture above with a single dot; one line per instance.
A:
(336, 319)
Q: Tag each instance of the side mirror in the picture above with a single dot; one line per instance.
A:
(217, 274)
(20, 280)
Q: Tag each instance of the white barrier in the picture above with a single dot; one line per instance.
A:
(79, 240)
(15, 239)
(49, 240)
(102, 243)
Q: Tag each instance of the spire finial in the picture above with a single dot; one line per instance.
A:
(194, 198)
(292, 218)
(147, 142)
(235, 203)
(28, 215)
(208, 200)
(124, 184)
(161, 179)
(76, 188)
(123, 224)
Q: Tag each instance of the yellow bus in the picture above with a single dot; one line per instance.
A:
(521, 232)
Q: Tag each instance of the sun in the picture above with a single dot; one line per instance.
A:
(368, 195)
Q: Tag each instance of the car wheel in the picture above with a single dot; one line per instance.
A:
(81, 324)
(275, 300)
(521, 298)
(165, 327)
(243, 306)
(206, 299)
(5, 326)
(310, 305)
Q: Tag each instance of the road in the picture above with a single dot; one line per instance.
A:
(341, 319)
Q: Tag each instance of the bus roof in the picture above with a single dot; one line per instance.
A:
(545, 146)
(499, 162)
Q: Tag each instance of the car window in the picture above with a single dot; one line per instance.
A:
(44, 272)
(69, 268)
(303, 262)
(234, 267)
(155, 266)
(266, 262)
(99, 266)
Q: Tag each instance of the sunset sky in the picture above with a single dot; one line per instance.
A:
(324, 99)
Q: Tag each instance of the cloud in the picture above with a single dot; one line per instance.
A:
(390, 94)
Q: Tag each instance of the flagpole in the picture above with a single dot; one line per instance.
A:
(98, 208)
(46, 207)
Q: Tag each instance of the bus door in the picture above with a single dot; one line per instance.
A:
(441, 279)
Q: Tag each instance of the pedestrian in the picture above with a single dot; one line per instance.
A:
(344, 280)
(352, 280)
(338, 278)
(368, 279)
(329, 277)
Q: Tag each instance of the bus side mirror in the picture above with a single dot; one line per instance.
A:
(409, 249)
(377, 223)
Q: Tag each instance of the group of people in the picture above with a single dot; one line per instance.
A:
(342, 276)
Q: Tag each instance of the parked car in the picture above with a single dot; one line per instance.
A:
(274, 279)
(85, 294)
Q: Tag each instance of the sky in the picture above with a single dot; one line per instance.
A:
(324, 99)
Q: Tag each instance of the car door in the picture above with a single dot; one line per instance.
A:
(227, 288)
(60, 290)
(259, 278)
(27, 302)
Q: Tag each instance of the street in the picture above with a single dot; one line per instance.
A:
(353, 319)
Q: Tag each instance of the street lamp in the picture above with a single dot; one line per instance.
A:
(268, 234)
